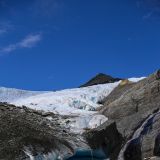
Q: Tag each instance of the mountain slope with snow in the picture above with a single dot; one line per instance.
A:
(79, 104)
(69, 101)
(113, 121)
(12, 94)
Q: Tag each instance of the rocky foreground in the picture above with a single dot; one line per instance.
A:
(132, 131)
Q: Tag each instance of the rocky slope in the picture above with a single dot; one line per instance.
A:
(28, 134)
(133, 113)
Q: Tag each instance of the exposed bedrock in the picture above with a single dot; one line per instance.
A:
(129, 106)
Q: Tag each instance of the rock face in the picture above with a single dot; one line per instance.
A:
(133, 105)
(134, 121)
(28, 134)
(134, 108)
(107, 138)
(100, 79)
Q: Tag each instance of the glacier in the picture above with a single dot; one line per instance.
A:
(79, 105)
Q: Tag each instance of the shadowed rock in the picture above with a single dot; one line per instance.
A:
(106, 137)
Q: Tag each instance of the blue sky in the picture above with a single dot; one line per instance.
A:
(55, 44)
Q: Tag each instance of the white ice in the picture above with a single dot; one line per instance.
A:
(79, 104)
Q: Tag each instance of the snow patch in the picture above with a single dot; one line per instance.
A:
(136, 79)
(28, 153)
(12, 94)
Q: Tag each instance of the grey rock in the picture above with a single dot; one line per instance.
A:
(129, 107)
(107, 138)
(23, 129)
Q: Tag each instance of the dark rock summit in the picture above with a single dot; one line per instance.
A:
(100, 79)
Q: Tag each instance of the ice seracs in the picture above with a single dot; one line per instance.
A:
(78, 104)
(69, 101)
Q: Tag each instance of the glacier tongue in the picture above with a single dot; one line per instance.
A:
(79, 104)
(70, 101)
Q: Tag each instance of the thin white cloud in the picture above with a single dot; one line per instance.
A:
(8, 49)
(148, 15)
(28, 42)
(2, 31)
(152, 6)
(47, 8)
(5, 27)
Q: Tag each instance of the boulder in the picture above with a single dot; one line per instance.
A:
(107, 138)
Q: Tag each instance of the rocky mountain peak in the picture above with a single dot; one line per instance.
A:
(101, 78)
